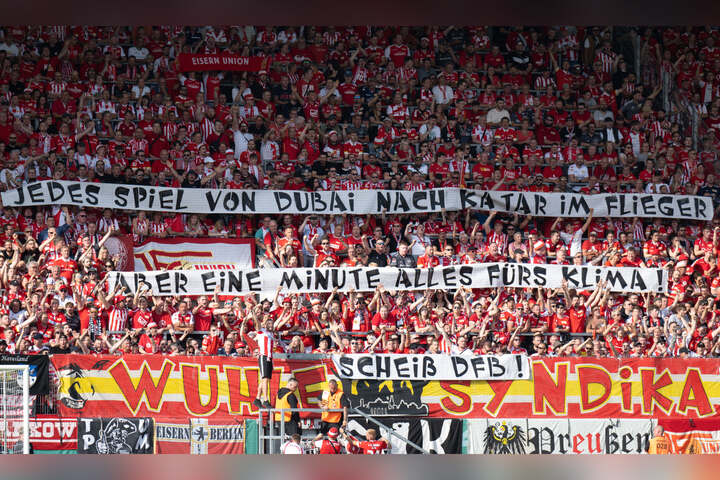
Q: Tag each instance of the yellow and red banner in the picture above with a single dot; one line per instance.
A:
(221, 387)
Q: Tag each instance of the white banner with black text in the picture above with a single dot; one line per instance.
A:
(365, 279)
(431, 367)
(204, 200)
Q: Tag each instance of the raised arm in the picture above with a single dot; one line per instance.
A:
(588, 221)
(486, 224)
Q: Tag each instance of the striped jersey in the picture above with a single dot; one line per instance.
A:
(266, 342)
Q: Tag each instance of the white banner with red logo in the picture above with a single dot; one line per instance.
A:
(194, 254)
(121, 247)
(692, 435)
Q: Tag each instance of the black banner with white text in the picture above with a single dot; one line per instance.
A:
(365, 279)
(203, 200)
(434, 435)
(107, 436)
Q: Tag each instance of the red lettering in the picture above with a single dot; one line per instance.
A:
(549, 390)
(500, 389)
(694, 395)
(650, 388)
(588, 375)
(311, 382)
(191, 387)
(242, 389)
(146, 386)
(626, 389)
(449, 405)
(597, 443)
(577, 442)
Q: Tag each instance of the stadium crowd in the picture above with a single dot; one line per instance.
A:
(578, 109)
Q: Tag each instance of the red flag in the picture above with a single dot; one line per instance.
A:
(197, 62)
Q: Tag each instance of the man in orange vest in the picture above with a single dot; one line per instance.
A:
(286, 398)
(659, 444)
(333, 399)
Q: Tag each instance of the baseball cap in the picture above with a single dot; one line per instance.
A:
(333, 432)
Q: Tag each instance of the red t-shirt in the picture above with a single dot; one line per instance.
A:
(203, 319)
(373, 447)
(378, 321)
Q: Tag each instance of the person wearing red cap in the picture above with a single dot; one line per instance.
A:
(150, 339)
(329, 445)
(539, 252)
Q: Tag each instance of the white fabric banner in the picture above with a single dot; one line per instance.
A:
(203, 200)
(431, 367)
(558, 436)
(194, 254)
(365, 279)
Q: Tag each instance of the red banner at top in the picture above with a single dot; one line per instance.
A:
(201, 62)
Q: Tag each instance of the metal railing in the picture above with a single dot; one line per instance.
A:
(381, 427)
(274, 441)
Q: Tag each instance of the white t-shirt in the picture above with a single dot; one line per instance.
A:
(433, 132)
(574, 240)
(494, 115)
(578, 171)
(418, 248)
(291, 448)
(139, 53)
(443, 94)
